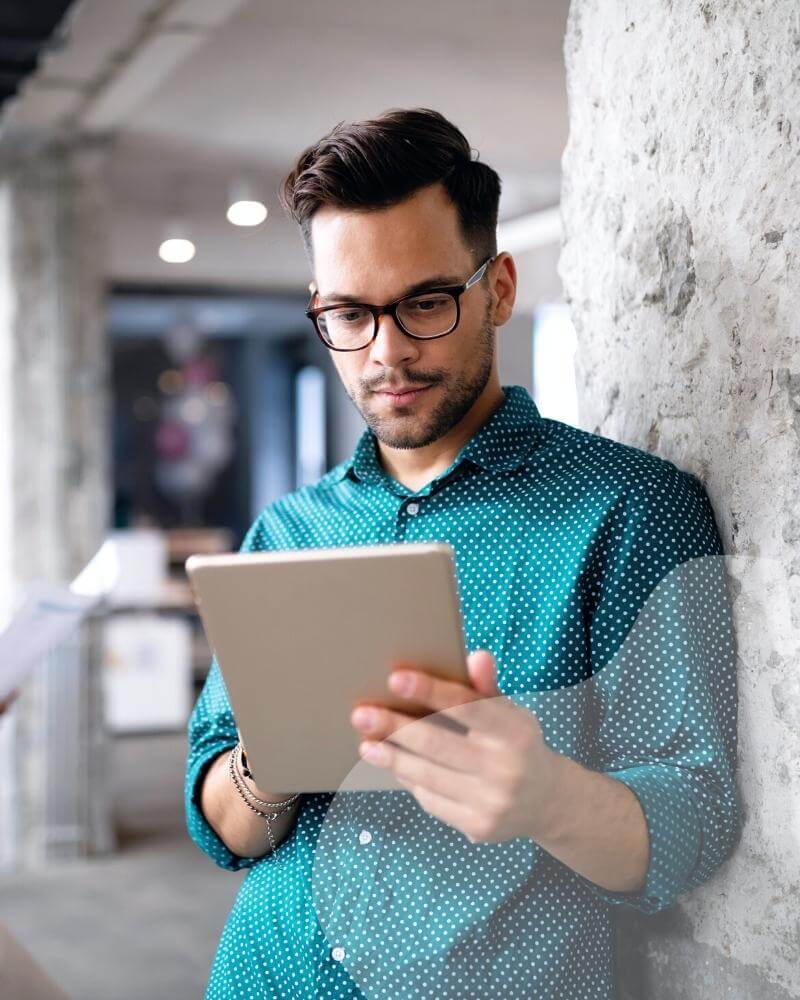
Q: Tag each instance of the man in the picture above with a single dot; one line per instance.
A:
(594, 764)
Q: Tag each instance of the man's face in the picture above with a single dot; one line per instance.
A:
(377, 256)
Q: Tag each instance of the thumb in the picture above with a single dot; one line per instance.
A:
(483, 672)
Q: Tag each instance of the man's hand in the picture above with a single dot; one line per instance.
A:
(5, 702)
(493, 778)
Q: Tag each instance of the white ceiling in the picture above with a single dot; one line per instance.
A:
(276, 76)
(197, 89)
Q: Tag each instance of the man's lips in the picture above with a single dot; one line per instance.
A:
(400, 390)
(397, 397)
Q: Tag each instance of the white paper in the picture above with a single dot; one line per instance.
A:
(48, 615)
(101, 575)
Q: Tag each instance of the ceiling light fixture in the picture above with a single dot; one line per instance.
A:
(245, 208)
(176, 246)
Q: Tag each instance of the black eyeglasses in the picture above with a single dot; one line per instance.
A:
(352, 326)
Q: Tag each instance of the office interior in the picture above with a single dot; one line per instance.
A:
(176, 387)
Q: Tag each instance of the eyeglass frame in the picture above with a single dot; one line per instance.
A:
(456, 291)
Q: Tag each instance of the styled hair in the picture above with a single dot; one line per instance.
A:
(381, 161)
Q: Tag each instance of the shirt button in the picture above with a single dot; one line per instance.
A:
(412, 508)
(364, 837)
(337, 954)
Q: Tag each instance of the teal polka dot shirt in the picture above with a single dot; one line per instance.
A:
(594, 573)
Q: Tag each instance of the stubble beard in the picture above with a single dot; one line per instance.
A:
(404, 432)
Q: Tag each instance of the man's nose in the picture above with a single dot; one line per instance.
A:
(392, 346)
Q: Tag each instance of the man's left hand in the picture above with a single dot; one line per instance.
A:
(493, 780)
(6, 702)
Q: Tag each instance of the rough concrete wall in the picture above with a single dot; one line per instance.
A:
(681, 264)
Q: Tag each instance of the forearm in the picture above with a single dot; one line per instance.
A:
(238, 827)
(596, 826)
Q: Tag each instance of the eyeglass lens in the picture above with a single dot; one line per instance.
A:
(428, 315)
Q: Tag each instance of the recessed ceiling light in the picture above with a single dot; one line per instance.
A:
(247, 213)
(176, 246)
(245, 207)
(176, 250)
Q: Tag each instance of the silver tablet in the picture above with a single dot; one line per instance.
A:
(302, 636)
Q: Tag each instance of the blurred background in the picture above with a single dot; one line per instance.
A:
(159, 384)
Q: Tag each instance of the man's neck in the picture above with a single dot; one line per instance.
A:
(416, 467)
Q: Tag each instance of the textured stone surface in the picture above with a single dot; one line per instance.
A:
(681, 264)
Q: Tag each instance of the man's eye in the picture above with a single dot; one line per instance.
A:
(428, 303)
(347, 315)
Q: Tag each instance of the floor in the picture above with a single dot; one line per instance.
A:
(143, 923)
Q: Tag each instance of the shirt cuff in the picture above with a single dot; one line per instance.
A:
(675, 836)
(200, 830)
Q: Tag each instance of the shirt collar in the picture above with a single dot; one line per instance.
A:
(500, 444)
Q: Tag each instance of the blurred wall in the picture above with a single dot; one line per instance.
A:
(515, 350)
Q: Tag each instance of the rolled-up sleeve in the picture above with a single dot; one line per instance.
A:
(212, 730)
(664, 682)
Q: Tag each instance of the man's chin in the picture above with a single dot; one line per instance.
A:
(397, 432)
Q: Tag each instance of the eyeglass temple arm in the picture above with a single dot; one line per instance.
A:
(478, 274)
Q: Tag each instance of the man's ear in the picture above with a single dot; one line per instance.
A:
(505, 288)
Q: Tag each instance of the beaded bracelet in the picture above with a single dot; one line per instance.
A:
(249, 798)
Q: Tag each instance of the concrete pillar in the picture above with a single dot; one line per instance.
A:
(54, 481)
(681, 264)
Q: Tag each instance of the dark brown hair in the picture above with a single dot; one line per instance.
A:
(381, 161)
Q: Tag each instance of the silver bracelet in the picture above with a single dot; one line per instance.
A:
(251, 800)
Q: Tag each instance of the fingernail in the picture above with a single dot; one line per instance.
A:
(401, 682)
(374, 752)
(364, 718)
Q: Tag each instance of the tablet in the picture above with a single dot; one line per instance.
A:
(302, 636)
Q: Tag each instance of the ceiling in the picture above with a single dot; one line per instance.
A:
(25, 30)
(194, 91)
(276, 76)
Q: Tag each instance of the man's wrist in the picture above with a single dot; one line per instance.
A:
(549, 825)
(594, 824)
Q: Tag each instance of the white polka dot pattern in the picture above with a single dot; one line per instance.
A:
(593, 572)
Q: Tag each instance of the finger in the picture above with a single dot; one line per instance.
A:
(426, 737)
(436, 777)
(455, 814)
(457, 702)
(482, 670)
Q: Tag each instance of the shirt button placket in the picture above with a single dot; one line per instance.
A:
(408, 508)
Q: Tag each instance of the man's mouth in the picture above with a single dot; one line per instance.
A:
(403, 396)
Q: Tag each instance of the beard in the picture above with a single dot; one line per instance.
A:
(462, 392)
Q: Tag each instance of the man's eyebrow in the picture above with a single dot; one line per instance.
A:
(437, 281)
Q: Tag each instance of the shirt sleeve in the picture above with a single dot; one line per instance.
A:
(664, 682)
(212, 730)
